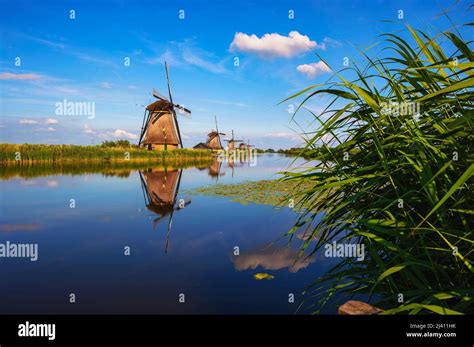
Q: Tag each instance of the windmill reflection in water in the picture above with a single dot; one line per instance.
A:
(160, 188)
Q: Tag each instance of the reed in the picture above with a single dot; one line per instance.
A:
(397, 182)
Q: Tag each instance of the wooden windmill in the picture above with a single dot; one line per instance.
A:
(214, 138)
(160, 128)
(231, 143)
(160, 190)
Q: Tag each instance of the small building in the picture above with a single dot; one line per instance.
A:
(201, 145)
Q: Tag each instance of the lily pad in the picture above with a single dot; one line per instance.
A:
(263, 276)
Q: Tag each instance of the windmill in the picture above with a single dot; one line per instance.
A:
(160, 190)
(231, 143)
(249, 146)
(160, 128)
(214, 138)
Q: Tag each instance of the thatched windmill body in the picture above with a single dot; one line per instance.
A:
(160, 128)
(231, 143)
(214, 139)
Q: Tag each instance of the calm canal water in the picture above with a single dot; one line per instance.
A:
(81, 249)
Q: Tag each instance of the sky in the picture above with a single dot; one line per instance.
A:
(236, 60)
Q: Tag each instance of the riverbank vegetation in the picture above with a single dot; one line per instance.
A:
(397, 182)
(109, 151)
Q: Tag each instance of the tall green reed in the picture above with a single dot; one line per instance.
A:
(397, 182)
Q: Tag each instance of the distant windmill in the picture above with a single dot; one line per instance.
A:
(249, 146)
(160, 128)
(232, 142)
(214, 138)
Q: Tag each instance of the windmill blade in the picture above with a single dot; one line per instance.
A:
(217, 129)
(168, 79)
(183, 111)
(146, 120)
(181, 108)
(158, 95)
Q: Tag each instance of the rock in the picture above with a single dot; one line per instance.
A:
(353, 307)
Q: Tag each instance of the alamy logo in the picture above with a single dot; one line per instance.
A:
(400, 108)
(37, 330)
(345, 250)
(70, 108)
(19, 250)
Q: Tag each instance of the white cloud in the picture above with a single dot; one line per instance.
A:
(88, 129)
(106, 85)
(193, 58)
(274, 45)
(132, 87)
(28, 121)
(50, 129)
(122, 133)
(327, 41)
(45, 42)
(51, 121)
(314, 69)
(118, 133)
(19, 76)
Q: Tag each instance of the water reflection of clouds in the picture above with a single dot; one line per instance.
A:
(19, 227)
(271, 258)
(40, 183)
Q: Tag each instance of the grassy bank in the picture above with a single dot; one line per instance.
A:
(15, 154)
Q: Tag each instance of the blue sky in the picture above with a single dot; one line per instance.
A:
(82, 60)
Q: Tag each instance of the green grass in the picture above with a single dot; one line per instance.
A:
(35, 153)
(401, 184)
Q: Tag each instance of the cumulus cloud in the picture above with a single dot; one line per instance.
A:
(109, 134)
(88, 129)
(122, 133)
(28, 121)
(274, 45)
(314, 69)
(50, 121)
(19, 76)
